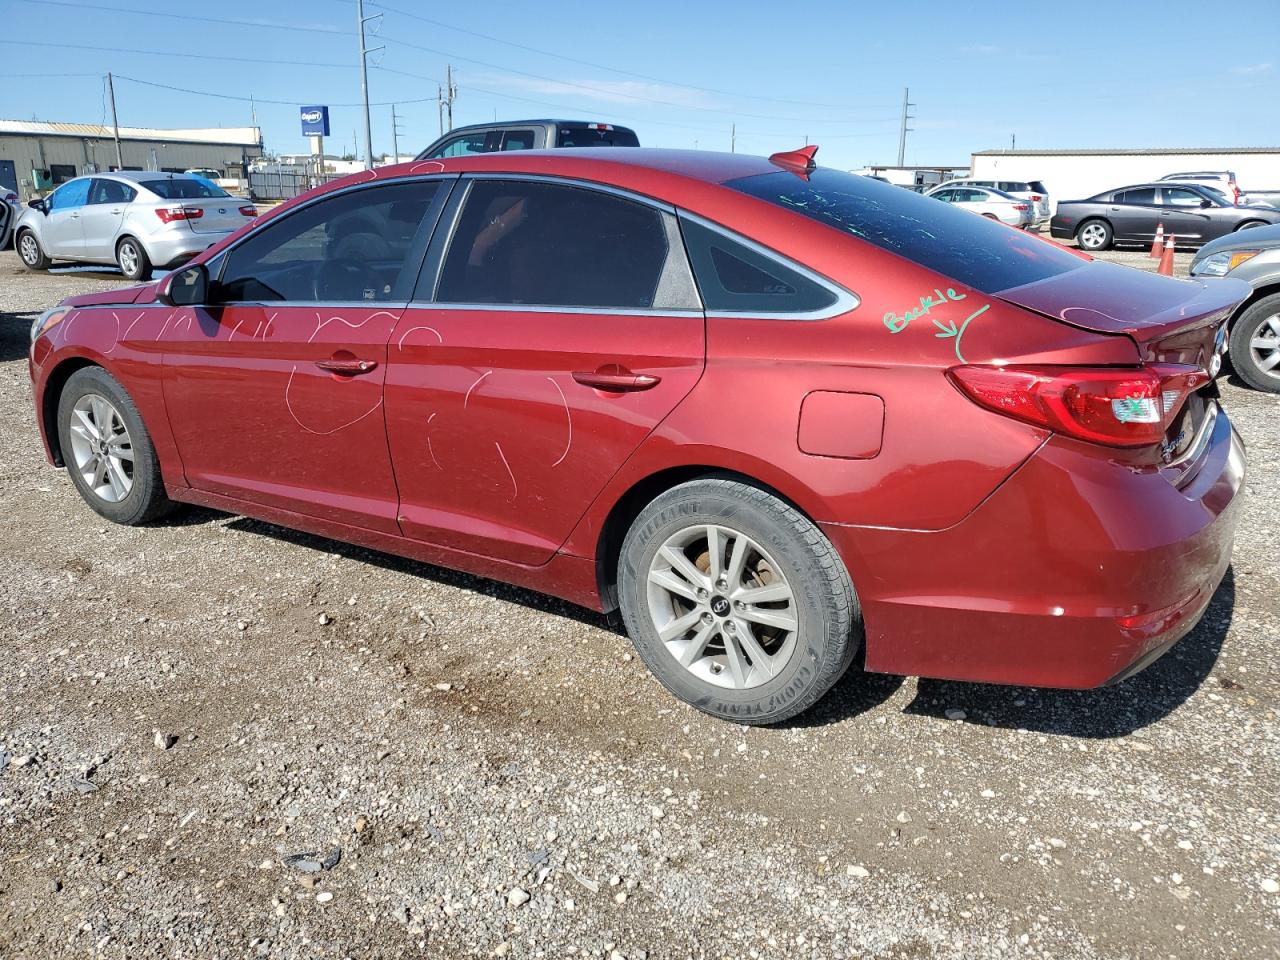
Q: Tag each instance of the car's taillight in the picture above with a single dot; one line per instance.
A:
(1036, 198)
(170, 214)
(1021, 206)
(1119, 407)
(249, 210)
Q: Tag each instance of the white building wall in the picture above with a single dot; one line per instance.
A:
(1077, 177)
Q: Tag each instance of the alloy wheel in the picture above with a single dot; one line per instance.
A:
(1265, 346)
(102, 448)
(1093, 236)
(29, 249)
(722, 606)
(128, 258)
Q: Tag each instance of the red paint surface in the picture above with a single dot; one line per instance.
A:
(981, 548)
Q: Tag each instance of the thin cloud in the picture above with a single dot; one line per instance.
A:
(1252, 69)
(982, 49)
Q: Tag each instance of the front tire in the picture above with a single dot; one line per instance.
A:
(133, 260)
(1255, 344)
(1093, 235)
(107, 449)
(29, 251)
(736, 602)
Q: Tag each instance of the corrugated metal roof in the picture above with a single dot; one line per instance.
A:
(1148, 152)
(237, 136)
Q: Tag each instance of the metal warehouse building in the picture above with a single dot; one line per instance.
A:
(36, 156)
(1079, 174)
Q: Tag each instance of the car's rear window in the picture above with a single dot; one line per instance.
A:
(957, 243)
(187, 188)
(574, 135)
(1037, 186)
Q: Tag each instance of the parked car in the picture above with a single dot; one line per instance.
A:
(528, 135)
(1193, 214)
(205, 173)
(1032, 191)
(774, 413)
(135, 219)
(9, 212)
(990, 203)
(1223, 180)
(1253, 257)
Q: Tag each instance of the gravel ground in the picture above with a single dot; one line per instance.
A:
(185, 707)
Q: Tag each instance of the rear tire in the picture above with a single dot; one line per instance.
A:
(29, 251)
(1093, 235)
(133, 260)
(756, 635)
(1249, 225)
(108, 451)
(1255, 340)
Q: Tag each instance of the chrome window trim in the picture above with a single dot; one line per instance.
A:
(846, 300)
(573, 182)
(539, 308)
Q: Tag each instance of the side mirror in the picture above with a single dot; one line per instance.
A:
(38, 204)
(188, 287)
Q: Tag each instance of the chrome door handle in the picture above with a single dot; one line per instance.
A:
(622, 381)
(350, 368)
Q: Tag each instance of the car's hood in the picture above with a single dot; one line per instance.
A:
(1255, 238)
(143, 293)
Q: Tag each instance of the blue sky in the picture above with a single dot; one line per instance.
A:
(680, 73)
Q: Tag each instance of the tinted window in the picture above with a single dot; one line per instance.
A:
(1142, 195)
(183, 188)
(973, 250)
(585, 136)
(522, 242)
(1014, 186)
(73, 194)
(733, 277)
(946, 196)
(517, 140)
(111, 191)
(1181, 197)
(356, 246)
(463, 146)
(1037, 186)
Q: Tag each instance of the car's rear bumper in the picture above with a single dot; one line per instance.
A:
(1060, 231)
(175, 246)
(1076, 572)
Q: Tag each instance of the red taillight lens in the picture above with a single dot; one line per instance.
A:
(1021, 206)
(170, 214)
(249, 210)
(1113, 406)
(1036, 198)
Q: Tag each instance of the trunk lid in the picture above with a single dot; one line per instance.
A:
(1170, 321)
(220, 215)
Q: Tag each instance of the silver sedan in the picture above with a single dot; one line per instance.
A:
(989, 202)
(134, 219)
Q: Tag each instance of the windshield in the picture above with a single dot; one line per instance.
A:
(982, 253)
(184, 188)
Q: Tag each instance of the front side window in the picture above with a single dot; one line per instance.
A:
(69, 195)
(184, 188)
(547, 244)
(362, 245)
(111, 191)
(946, 196)
(1181, 197)
(462, 146)
(976, 251)
(734, 277)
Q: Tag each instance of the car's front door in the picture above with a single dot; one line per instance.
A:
(274, 390)
(102, 216)
(62, 233)
(1185, 214)
(563, 328)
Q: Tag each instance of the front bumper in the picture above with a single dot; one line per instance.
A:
(1076, 572)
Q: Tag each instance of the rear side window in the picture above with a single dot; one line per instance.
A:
(517, 140)
(111, 191)
(184, 188)
(736, 278)
(545, 244)
(352, 247)
(976, 251)
(1014, 186)
(1141, 195)
(584, 135)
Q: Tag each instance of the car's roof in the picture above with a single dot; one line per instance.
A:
(540, 120)
(137, 176)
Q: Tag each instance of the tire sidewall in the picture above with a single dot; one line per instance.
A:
(39, 262)
(144, 263)
(791, 691)
(1240, 353)
(1101, 246)
(139, 502)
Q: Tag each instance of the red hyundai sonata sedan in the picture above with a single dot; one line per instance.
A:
(772, 412)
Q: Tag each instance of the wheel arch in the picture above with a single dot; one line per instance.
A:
(1259, 293)
(53, 387)
(643, 491)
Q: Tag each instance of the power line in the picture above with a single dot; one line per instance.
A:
(280, 103)
(181, 16)
(184, 55)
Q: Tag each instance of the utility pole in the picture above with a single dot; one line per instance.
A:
(361, 20)
(115, 122)
(1013, 141)
(902, 135)
(733, 138)
(440, 107)
(451, 91)
(395, 136)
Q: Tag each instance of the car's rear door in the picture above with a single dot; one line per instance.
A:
(560, 327)
(275, 390)
(1134, 214)
(103, 215)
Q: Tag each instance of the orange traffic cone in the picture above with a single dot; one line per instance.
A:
(1166, 259)
(1157, 245)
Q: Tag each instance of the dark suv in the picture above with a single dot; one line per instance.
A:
(528, 135)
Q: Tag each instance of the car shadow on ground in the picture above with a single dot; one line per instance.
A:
(15, 333)
(1114, 711)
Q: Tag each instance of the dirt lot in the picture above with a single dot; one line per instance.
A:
(183, 706)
